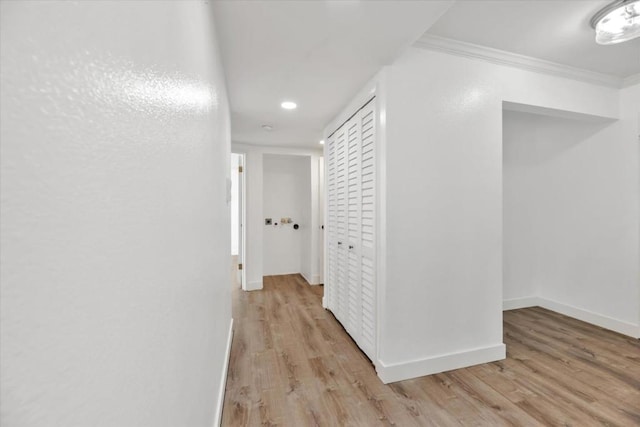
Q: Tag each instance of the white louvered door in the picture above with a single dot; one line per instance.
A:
(341, 225)
(368, 234)
(351, 240)
(331, 274)
(353, 227)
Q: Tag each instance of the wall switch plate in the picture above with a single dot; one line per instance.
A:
(268, 221)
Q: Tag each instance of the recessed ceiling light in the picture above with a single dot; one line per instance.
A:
(289, 105)
(268, 128)
(617, 22)
(322, 142)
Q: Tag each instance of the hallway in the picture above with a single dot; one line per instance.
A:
(292, 364)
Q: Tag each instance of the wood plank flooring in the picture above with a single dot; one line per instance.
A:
(292, 364)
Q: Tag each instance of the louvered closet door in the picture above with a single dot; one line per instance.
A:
(351, 243)
(353, 319)
(331, 294)
(367, 219)
(341, 225)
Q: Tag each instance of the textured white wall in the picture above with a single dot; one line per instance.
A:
(235, 204)
(114, 133)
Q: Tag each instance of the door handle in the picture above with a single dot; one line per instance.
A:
(339, 243)
(350, 246)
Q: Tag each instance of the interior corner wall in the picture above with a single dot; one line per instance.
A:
(520, 205)
(443, 283)
(286, 194)
(305, 195)
(254, 227)
(115, 288)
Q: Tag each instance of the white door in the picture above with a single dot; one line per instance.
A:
(341, 225)
(331, 257)
(353, 235)
(368, 236)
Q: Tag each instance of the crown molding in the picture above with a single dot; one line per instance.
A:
(501, 57)
(633, 79)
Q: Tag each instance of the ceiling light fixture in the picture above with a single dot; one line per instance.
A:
(288, 105)
(617, 22)
(322, 142)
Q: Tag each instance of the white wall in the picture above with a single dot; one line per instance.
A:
(306, 196)
(235, 203)
(286, 194)
(254, 227)
(443, 282)
(571, 214)
(114, 132)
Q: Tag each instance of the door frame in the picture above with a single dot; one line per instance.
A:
(241, 217)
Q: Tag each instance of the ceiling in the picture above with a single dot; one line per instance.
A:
(320, 53)
(553, 30)
(316, 53)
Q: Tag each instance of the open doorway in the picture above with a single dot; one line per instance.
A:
(287, 206)
(568, 216)
(237, 220)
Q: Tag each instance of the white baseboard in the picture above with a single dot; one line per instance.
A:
(324, 303)
(223, 382)
(304, 276)
(437, 364)
(314, 280)
(515, 303)
(606, 322)
(254, 286)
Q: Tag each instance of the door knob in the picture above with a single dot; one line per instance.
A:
(339, 243)
(350, 246)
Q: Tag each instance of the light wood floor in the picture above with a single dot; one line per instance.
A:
(292, 364)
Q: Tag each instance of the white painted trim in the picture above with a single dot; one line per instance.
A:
(367, 92)
(501, 57)
(590, 317)
(606, 322)
(223, 382)
(315, 279)
(325, 215)
(631, 80)
(254, 286)
(516, 303)
(441, 363)
(271, 149)
(304, 276)
(381, 208)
